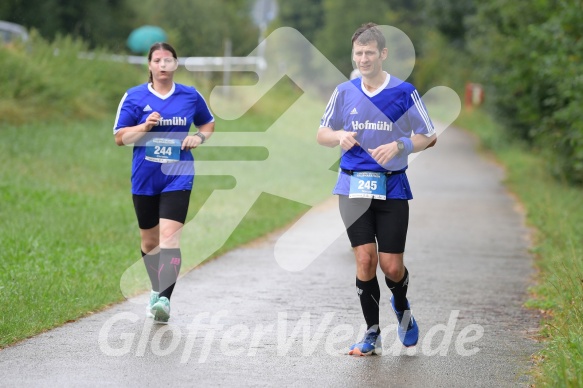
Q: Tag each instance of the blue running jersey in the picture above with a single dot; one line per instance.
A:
(179, 109)
(393, 111)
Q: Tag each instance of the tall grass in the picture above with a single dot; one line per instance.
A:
(67, 225)
(555, 210)
(48, 81)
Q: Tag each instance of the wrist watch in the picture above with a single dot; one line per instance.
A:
(400, 145)
(202, 137)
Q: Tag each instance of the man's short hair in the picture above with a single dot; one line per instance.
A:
(367, 33)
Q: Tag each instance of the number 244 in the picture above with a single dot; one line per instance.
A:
(163, 150)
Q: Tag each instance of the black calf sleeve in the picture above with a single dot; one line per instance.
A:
(369, 294)
(399, 291)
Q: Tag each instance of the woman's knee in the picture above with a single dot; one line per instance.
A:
(149, 244)
(170, 232)
(150, 239)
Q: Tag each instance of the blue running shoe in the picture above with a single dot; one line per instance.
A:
(370, 344)
(408, 330)
(154, 295)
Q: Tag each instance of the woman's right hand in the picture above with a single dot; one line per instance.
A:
(152, 120)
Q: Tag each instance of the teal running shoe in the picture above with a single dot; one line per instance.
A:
(161, 310)
(154, 296)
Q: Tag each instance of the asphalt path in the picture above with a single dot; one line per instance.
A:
(243, 320)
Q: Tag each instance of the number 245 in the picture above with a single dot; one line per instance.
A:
(368, 185)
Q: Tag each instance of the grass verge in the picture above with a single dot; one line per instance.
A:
(555, 210)
(67, 225)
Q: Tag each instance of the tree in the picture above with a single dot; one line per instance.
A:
(306, 16)
(100, 23)
(341, 19)
(530, 53)
(200, 27)
(450, 18)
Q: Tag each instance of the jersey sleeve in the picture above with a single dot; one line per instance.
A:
(333, 114)
(125, 116)
(202, 113)
(418, 117)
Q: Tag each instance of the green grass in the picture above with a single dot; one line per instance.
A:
(555, 210)
(67, 227)
(65, 220)
(46, 81)
(69, 238)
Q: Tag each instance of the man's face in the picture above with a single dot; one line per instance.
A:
(368, 58)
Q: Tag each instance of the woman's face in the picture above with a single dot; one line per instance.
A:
(162, 65)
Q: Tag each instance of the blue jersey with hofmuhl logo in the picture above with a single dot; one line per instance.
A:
(179, 109)
(393, 111)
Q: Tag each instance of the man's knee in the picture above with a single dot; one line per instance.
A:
(392, 266)
(394, 274)
(366, 259)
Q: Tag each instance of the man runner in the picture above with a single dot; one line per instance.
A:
(378, 120)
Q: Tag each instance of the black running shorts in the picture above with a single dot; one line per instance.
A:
(384, 222)
(172, 205)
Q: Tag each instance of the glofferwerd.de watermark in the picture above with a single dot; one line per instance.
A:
(284, 337)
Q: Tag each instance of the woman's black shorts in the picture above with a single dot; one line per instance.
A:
(384, 222)
(172, 205)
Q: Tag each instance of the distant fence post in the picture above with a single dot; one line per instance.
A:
(227, 66)
(474, 95)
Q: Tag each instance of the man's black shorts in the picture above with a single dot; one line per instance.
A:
(384, 222)
(172, 205)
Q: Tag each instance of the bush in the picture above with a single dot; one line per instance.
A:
(530, 53)
(49, 81)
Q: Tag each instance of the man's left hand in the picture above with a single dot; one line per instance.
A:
(384, 153)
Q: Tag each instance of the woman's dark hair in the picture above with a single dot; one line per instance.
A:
(160, 46)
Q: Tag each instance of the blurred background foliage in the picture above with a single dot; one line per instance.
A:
(526, 54)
